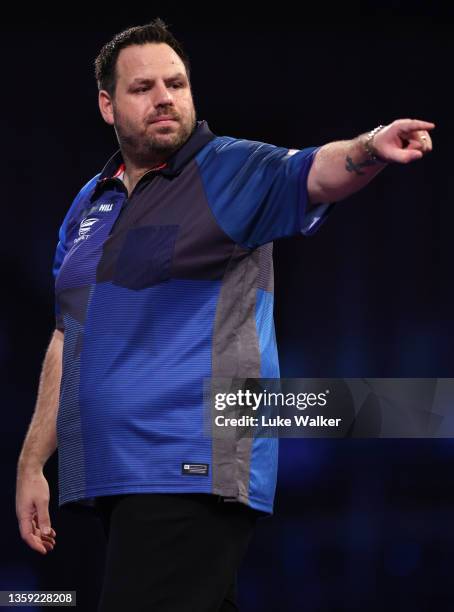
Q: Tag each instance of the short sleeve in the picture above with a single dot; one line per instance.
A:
(60, 254)
(258, 191)
(62, 245)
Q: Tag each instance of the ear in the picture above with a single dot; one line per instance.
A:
(106, 106)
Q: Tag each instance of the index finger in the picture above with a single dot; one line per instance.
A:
(408, 125)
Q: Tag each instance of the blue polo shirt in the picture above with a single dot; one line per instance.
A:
(157, 291)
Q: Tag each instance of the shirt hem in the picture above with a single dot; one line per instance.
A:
(87, 497)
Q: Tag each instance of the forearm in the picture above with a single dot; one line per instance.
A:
(341, 168)
(41, 439)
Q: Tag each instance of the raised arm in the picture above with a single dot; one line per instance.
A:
(343, 167)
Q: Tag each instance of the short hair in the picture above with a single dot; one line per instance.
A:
(154, 32)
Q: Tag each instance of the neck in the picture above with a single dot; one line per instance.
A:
(134, 172)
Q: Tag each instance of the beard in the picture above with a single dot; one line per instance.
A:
(146, 147)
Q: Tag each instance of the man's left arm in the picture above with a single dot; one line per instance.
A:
(343, 167)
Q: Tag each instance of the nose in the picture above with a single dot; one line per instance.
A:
(162, 95)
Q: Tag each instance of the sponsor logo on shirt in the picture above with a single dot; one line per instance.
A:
(107, 207)
(85, 227)
(101, 207)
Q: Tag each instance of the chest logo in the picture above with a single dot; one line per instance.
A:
(105, 207)
(85, 227)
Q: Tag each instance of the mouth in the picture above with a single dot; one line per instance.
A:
(164, 120)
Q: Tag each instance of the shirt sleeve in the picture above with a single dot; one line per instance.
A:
(63, 246)
(258, 191)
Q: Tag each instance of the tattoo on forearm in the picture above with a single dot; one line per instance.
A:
(352, 167)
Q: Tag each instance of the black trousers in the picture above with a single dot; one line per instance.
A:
(173, 552)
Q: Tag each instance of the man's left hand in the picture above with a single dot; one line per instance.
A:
(403, 140)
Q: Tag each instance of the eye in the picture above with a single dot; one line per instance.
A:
(176, 85)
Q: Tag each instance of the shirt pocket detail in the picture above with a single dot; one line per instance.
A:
(146, 256)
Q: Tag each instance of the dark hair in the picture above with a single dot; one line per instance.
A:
(154, 32)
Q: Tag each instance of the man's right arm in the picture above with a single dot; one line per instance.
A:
(32, 489)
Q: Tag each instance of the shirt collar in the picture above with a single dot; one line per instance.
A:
(200, 136)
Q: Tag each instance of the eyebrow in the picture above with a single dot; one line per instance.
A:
(137, 80)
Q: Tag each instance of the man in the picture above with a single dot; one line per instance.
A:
(164, 278)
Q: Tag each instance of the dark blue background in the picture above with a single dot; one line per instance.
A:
(359, 524)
